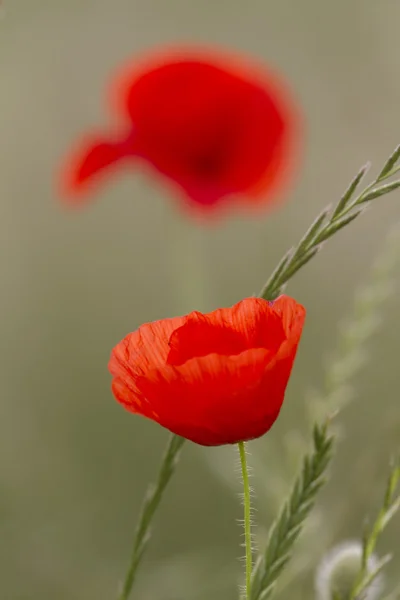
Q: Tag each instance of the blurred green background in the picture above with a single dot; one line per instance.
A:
(73, 465)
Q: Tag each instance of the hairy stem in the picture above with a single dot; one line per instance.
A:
(247, 517)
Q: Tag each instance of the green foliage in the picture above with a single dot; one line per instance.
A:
(286, 528)
(347, 209)
(150, 505)
(391, 504)
(355, 332)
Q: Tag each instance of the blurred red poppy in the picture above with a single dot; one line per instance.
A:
(215, 378)
(217, 127)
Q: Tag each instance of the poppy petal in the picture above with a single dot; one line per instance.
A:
(201, 335)
(259, 323)
(219, 127)
(291, 313)
(213, 391)
(146, 347)
(131, 358)
(89, 163)
(217, 378)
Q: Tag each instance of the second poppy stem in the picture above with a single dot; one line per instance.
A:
(247, 517)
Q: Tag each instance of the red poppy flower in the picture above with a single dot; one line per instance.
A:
(215, 378)
(214, 125)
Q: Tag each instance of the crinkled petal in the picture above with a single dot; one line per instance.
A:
(201, 335)
(251, 323)
(259, 323)
(217, 396)
(179, 373)
(292, 315)
(143, 350)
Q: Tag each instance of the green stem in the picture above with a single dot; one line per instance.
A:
(247, 518)
(150, 505)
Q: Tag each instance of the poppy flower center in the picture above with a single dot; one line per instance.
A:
(209, 157)
(208, 165)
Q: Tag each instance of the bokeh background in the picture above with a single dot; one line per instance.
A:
(73, 465)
